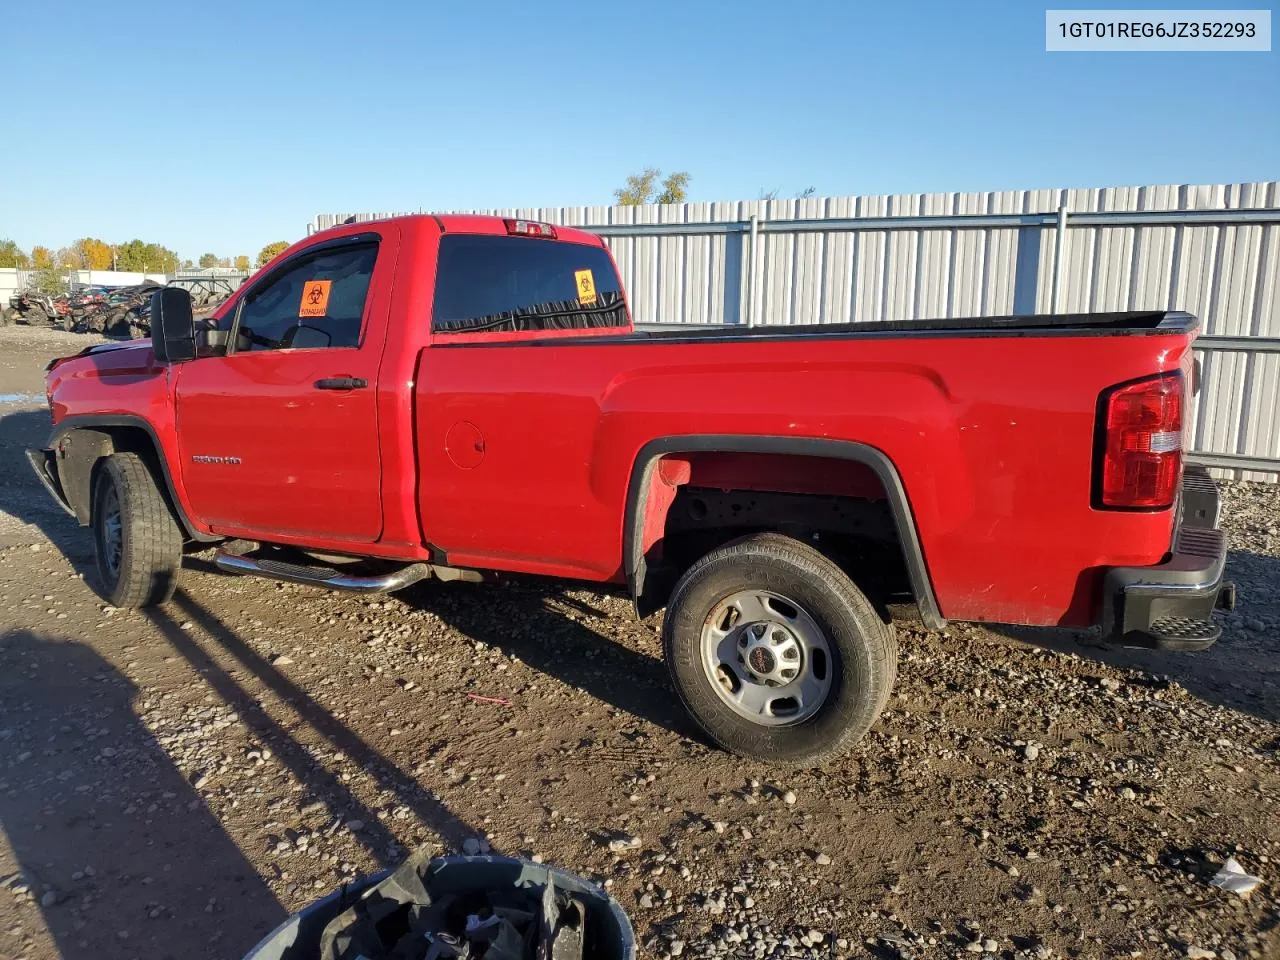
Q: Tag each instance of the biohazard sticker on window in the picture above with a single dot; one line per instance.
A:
(315, 298)
(586, 285)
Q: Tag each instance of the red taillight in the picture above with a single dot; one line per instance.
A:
(1142, 444)
(530, 228)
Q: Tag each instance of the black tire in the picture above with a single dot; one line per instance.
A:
(36, 317)
(862, 648)
(116, 325)
(142, 567)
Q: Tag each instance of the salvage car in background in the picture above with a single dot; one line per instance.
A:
(33, 308)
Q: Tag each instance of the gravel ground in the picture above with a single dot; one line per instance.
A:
(174, 782)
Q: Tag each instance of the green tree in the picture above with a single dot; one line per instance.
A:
(242, 262)
(187, 264)
(269, 252)
(11, 255)
(647, 187)
(42, 258)
(48, 280)
(136, 255)
(162, 259)
(208, 260)
(131, 256)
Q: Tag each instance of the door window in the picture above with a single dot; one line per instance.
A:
(317, 302)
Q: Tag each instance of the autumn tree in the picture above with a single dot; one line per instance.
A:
(675, 189)
(93, 254)
(647, 187)
(242, 262)
(208, 260)
(69, 258)
(267, 253)
(11, 255)
(804, 194)
(42, 258)
(639, 188)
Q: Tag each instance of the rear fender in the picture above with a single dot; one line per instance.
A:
(649, 494)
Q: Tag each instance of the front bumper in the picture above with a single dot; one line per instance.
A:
(1170, 606)
(45, 468)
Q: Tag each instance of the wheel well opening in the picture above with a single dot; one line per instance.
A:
(81, 453)
(697, 502)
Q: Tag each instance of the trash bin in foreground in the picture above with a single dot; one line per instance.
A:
(471, 908)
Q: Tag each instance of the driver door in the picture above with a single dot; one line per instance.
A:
(279, 436)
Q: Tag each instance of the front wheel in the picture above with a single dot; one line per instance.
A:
(138, 543)
(775, 653)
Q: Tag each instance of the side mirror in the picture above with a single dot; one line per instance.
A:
(173, 325)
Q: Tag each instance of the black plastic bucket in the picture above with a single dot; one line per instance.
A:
(298, 938)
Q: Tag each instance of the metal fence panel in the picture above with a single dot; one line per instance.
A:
(1186, 247)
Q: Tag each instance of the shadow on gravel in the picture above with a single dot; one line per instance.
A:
(1241, 671)
(520, 617)
(320, 783)
(95, 810)
(21, 494)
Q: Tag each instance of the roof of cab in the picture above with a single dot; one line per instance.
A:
(473, 223)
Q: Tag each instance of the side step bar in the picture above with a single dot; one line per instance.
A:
(318, 576)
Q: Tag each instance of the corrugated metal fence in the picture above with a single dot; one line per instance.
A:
(1211, 250)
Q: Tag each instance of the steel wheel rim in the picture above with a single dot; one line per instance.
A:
(111, 531)
(766, 658)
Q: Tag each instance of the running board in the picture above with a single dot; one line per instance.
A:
(319, 576)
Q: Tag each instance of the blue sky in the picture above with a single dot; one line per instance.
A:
(228, 126)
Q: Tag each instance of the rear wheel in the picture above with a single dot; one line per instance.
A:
(138, 543)
(775, 653)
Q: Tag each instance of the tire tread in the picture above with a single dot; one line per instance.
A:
(151, 557)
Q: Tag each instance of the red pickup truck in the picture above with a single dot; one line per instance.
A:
(454, 395)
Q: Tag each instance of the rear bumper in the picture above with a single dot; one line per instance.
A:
(1170, 606)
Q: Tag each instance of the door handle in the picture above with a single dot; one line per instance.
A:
(342, 383)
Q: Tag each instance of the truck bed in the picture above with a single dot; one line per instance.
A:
(1120, 324)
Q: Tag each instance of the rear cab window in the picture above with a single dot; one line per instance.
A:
(488, 283)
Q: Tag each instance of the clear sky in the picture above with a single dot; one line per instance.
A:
(224, 126)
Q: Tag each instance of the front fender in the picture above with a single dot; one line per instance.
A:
(78, 443)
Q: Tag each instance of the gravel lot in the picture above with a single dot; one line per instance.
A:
(174, 782)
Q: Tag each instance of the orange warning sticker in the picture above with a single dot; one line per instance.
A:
(315, 298)
(586, 285)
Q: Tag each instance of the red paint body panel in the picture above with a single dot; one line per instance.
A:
(993, 444)
(992, 437)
